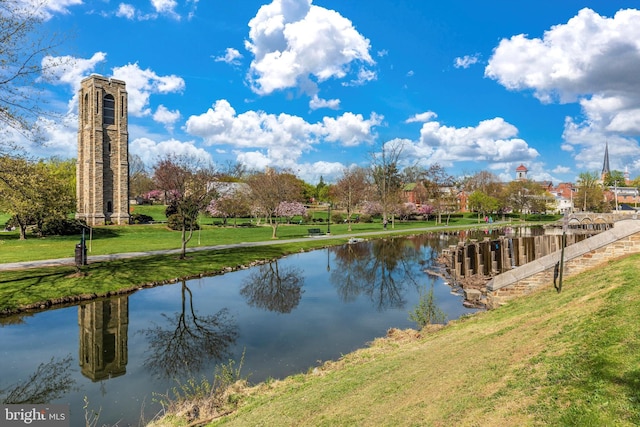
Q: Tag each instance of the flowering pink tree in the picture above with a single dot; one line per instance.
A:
(216, 209)
(155, 195)
(405, 210)
(290, 209)
(269, 189)
(426, 210)
(372, 208)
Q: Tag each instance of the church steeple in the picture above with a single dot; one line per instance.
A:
(605, 166)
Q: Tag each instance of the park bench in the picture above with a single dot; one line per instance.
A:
(315, 232)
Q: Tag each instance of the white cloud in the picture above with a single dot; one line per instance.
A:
(562, 170)
(363, 77)
(587, 142)
(297, 44)
(466, 61)
(167, 117)
(59, 135)
(70, 71)
(317, 103)
(254, 160)
(141, 84)
(231, 56)
(351, 129)
(150, 151)
(259, 137)
(329, 171)
(257, 129)
(591, 60)
(422, 117)
(166, 7)
(492, 140)
(126, 11)
(44, 10)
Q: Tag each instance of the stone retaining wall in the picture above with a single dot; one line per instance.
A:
(621, 240)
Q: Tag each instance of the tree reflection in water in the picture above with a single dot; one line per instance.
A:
(193, 340)
(50, 381)
(273, 288)
(379, 269)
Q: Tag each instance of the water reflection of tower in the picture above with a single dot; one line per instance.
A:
(103, 338)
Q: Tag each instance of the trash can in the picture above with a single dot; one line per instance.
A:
(81, 254)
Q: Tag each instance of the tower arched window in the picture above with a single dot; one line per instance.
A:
(108, 110)
(85, 108)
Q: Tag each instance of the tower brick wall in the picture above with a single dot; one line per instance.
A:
(103, 152)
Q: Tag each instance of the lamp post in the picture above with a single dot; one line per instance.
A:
(329, 220)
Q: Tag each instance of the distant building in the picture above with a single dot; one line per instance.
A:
(563, 194)
(606, 170)
(521, 173)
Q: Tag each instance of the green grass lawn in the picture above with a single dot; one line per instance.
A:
(140, 238)
(547, 359)
(37, 286)
(3, 219)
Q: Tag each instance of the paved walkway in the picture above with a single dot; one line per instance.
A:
(112, 257)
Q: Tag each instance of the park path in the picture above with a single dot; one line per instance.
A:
(24, 265)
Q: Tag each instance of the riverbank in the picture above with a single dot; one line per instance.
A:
(47, 283)
(568, 358)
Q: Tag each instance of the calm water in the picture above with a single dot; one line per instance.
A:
(285, 316)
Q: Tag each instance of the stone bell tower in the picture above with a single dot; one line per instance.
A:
(102, 172)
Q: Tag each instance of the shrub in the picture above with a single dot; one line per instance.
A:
(366, 218)
(427, 312)
(141, 218)
(337, 218)
(61, 227)
(171, 209)
(174, 222)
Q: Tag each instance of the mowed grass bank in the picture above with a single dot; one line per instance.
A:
(138, 238)
(36, 287)
(570, 359)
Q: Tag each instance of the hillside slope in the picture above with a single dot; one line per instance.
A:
(547, 359)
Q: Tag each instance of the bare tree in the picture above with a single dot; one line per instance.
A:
(139, 180)
(190, 340)
(23, 55)
(50, 381)
(440, 189)
(269, 189)
(386, 175)
(188, 183)
(274, 288)
(351, 189)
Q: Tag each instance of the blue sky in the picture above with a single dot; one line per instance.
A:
(315, 86)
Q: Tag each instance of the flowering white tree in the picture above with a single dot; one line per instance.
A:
(231, 205)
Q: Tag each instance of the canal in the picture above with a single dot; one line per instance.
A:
(281, 318)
